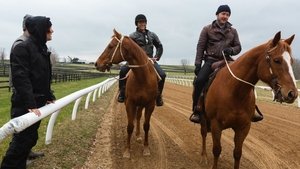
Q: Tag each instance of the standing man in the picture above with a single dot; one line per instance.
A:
(215, 38)
(22, 38)
(146, 40)
(31, 78)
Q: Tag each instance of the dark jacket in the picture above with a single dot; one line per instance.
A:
(31, 67)
(147, 40)
(213, 40)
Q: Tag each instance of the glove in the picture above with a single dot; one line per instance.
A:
(228, 52)
(197, 69)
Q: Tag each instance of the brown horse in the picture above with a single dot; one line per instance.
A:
(230, 100)
(141, 87)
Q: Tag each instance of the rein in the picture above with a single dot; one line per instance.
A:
(274, 82)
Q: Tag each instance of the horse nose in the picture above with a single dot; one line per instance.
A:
(292, 95)
(96, 64)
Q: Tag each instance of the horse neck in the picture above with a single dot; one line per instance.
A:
(139, 58)
(246, 67)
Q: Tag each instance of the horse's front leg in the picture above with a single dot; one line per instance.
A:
(216, 133)
(203, 134)
(239, 137)
(131, 113)
(148, 113)
(138, 126)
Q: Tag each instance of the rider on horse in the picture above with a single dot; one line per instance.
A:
(146, 40)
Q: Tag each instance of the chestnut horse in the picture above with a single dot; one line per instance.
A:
(230, 100)
(141, 86)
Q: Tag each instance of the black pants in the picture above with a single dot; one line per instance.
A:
(201, 80)
(124, 70)
(21, 144)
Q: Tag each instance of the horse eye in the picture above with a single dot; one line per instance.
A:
(277, 61)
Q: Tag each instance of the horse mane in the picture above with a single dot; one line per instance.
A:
(280, 48)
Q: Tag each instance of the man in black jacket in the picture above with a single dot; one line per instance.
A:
(31, 78)
(147, 40)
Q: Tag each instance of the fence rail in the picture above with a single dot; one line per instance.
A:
(189, 82)
(20, 123)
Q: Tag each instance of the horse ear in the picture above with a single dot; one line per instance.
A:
(290, 39)
(276, 38)
(118, 35)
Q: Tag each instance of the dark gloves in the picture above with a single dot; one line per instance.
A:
(197, 69)
(228, 52)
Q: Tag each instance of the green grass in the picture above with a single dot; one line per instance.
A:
(61, 90)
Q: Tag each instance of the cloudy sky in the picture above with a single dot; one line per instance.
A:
(82, 28)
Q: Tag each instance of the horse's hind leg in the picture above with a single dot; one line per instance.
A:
(148, 113)
(138, 125)
(131, 111)
(239, 137)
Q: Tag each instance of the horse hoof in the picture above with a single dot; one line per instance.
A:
(139, 139)
(146, 152)
(204, 161)
(126, 154)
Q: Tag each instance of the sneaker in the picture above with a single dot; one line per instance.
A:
(159, 101)
(121, 98)
(33, 155)
(195, 117)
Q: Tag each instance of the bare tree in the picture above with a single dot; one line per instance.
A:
(184, 63)
(2, 55)
(54, 56)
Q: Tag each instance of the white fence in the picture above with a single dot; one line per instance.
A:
(20, 123)
(189, 82)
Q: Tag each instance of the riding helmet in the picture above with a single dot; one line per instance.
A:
(140, 17)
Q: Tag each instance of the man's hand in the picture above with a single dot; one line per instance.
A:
(228, 51)
(197, 69)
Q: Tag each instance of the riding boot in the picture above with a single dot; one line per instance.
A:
(121, 97)
(195, 117)
(159, 99)
(258, 116)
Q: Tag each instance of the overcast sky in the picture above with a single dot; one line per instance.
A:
(82, 28)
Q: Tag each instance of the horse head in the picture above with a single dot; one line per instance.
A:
(113, 53)
(276, 69)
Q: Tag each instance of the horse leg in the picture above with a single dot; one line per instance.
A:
(239, 137)
(148, 113)
(203, 134)
(216, 133)
(138, 120)
(131, 112)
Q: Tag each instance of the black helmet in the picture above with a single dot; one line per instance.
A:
(140, 17)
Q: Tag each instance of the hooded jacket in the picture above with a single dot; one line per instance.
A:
(31, 67)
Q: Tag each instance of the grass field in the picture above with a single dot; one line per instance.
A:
(61, 90)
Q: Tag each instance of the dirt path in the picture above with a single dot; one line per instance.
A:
(175, 141)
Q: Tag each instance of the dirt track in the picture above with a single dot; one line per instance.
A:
(174, 141)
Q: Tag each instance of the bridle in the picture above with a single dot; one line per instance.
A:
(119, 45)
(276, 87)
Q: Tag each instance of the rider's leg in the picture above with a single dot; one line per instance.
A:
(122, 83)
(161, 83)
(199, 83)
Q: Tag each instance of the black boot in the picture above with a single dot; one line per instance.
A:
(159, 100)
(121, 97)
(258, 116)
(195, 117)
